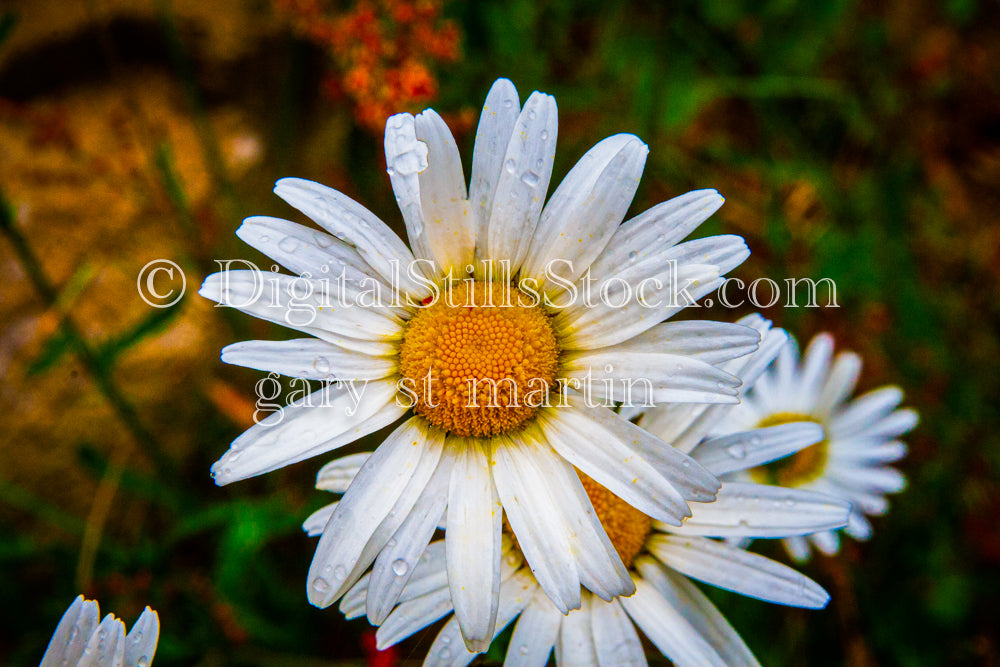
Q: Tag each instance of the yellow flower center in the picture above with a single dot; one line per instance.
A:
(801, 467)
(480, 359)
(627, 527)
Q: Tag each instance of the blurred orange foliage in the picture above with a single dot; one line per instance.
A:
(383, 50)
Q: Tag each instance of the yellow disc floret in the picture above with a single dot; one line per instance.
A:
(480, 359)
(801, 467)
(627, 527)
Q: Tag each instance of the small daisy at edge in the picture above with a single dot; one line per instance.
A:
(497, 241)
(860, 435)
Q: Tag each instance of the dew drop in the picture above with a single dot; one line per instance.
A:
(444, 653)
(322, 365)
(288, 244)
(545, 135)
(340, 572)
(142, 662)
(737, 451)
(445, 639)
(322, 240)
(523, 650)
(265, 239)
(755, 441)
(320, 585)
(530, 179)
(400, 567)
(632, 256)
(532, 114)
(510, 166)
(507, 104)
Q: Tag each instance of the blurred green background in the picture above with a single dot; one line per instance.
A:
(855, 141)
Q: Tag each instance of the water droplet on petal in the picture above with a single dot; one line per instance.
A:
(737, 451)
(510, 166)
(322, 365)
(340, 572)
(545, 135)
(400, 567)
(523, 650)
(142, 662)
(632, 256)
(320, 585)
(322, 240)
(444, 653)
(288, 244)
(508, 104)
(530, 179)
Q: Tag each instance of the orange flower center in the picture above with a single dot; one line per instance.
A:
(626, 526)
(801, 467)
(480, 359)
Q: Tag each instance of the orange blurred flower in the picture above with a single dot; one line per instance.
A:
(383, 51)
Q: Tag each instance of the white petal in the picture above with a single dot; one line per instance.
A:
(106, 647)
(397, 561)
(600, 568)
(72, 634)
(749, 449)
(858, 527)
(316, 522)
(534, 634)
(585, 209)
(307, 251)
(798, 548)
(338, 474)
(619, 313)
(523, 181)
(646, 236)
(860, 451)
(865, 410)
(615, 638)
(691, 480)
(668, 629)
(405, 158)
(815, 367)
(429, 575)
(140, 643)
(883, 480)
(496, 126)
(645, 378)
(472, 543)
(896, 424)
(450, 227)
(756, 510)
(826, 542)
(308, 358)
(358, 227)
(533, 514)
(320, 422)
(734, 569)
(414, 615)
(602, 455)
(301, 304)
(575, 644)
(697, 610)
(711, 342)
(390, 481)
(515, 594)
(839, 384)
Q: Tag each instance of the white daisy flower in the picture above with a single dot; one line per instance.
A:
(492, 291)
(82, 639)
(666, 606)
(860, 435)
